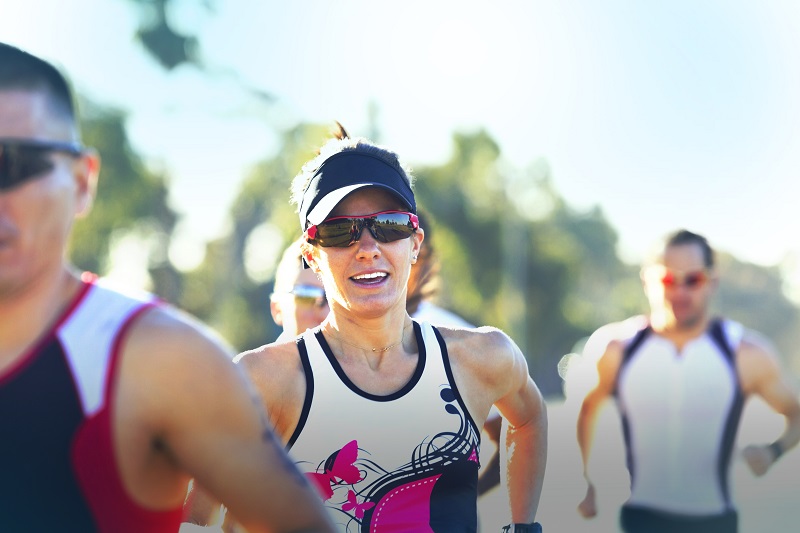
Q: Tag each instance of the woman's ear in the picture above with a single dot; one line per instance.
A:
(416, 246)
(308, 256)
(312, 264)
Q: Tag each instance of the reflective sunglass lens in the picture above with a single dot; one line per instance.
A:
(309, 301)
(392, 227)
(339, 233)
(690, 280)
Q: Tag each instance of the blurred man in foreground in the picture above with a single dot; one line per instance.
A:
(109, 402)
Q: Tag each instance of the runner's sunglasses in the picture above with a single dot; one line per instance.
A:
(25, 159)
(306, 295)
(341, 232)
(309, 296)
(690, 280)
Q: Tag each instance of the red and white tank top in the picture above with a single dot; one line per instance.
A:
(57, 466)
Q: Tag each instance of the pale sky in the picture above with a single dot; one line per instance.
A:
(681, 114)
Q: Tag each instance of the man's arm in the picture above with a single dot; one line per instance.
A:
(208, 423)
(607, 367)
(761, 373)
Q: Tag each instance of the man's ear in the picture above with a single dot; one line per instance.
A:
(86, 171)
(713, 280)
(276, 312)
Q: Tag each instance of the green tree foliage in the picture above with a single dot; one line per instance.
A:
(753, 295)
(130, 200)
(222, 291)
(170, 47)
(515, 256)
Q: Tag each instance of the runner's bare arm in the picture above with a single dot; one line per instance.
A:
(607, 367)
(761, 373)
(523, 448)
(207, 420)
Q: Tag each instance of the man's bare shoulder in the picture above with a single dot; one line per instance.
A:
(613, 335)
(614, 348)
(171, 335)
(756, 344)
(174, 372)
(761, 370)
(610, 360)
(756, 355)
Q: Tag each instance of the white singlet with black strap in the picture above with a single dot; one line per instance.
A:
(680, 413)
(403, 462)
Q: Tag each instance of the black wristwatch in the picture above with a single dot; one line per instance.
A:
(534, 527)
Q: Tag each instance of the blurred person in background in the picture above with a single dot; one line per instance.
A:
(680, 378)
(298, 300)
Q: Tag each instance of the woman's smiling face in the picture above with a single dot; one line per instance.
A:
(368, 275)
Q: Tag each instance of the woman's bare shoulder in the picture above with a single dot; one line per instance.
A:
(271, 360)
(483, 337)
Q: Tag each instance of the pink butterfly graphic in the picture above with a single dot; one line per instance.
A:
(343, 469)
(352, 503)
(473, 456)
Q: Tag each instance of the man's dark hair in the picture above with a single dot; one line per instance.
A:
(20, 70)
(684, 237)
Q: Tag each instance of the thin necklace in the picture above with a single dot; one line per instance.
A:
(376, 350)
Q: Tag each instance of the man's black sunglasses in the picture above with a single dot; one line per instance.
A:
(24, 159)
